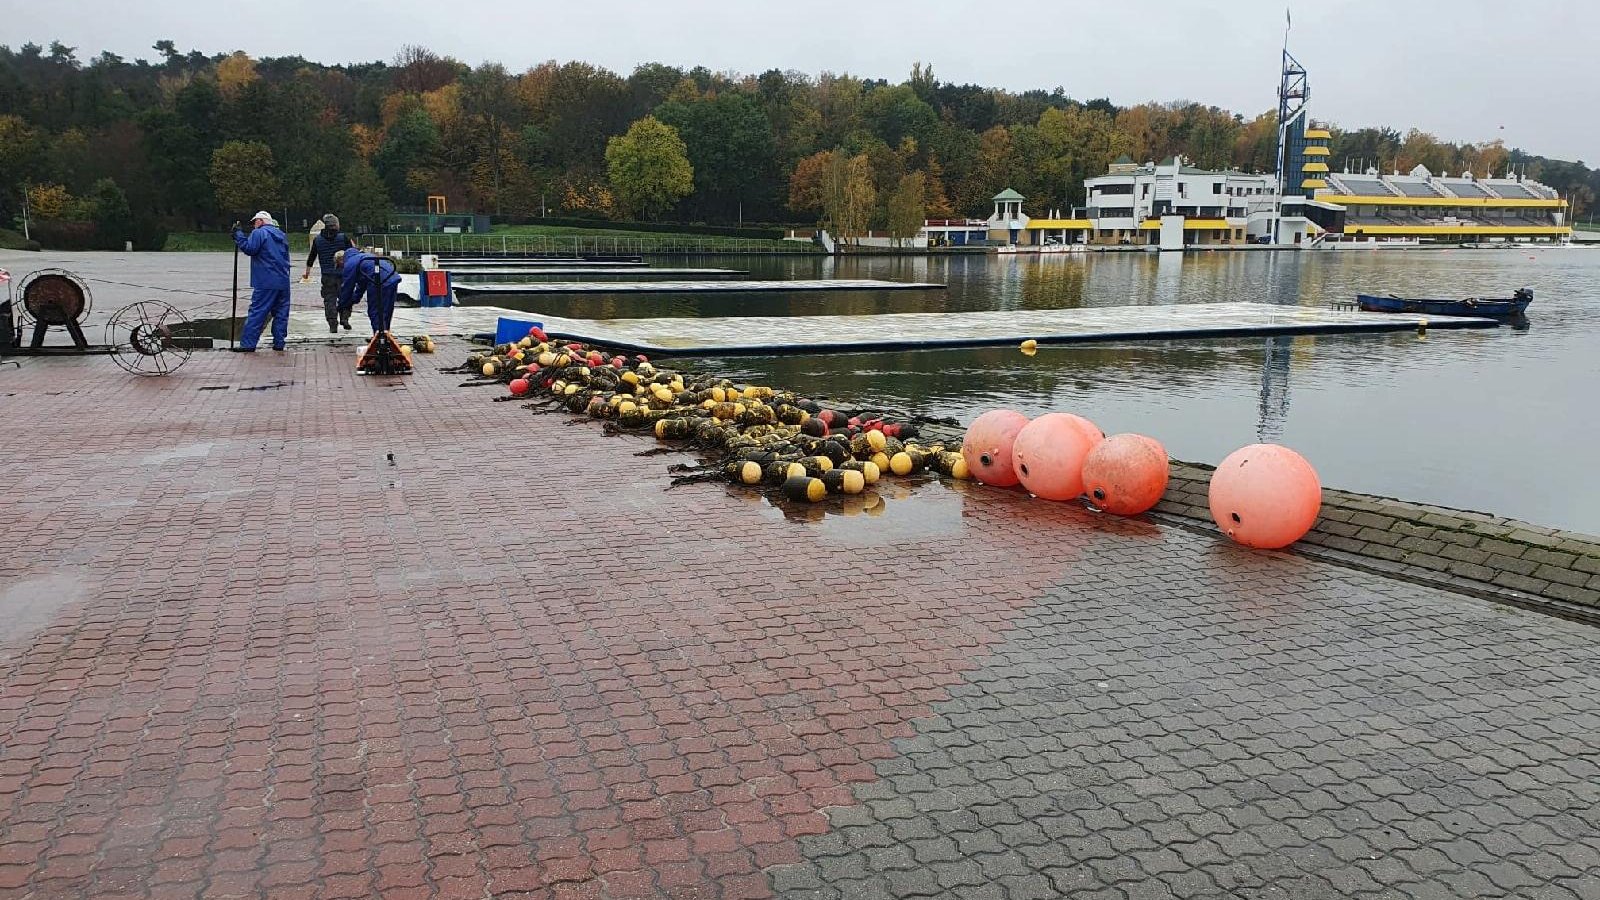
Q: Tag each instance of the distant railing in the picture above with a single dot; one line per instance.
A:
(576, 245)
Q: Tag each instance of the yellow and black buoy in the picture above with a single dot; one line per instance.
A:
(1030, 347)
(810, 490)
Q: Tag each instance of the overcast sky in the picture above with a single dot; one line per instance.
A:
(1463, 69)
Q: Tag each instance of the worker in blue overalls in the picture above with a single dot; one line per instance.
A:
(373, 277)
(268, 250)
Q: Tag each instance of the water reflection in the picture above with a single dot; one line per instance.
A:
(1274, 390)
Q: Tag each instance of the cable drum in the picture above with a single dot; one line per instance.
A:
(54, 297)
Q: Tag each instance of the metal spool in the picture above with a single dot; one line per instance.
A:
(141, 340)
(54, 298)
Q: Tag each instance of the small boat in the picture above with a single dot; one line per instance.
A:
(1472, 306)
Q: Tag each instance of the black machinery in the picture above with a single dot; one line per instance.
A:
(140, 337)
(53, 298)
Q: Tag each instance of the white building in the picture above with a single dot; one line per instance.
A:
(1167, 202)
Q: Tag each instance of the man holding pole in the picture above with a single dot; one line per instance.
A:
(268, 250)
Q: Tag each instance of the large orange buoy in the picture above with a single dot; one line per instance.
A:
(1265, 495)
(1125, 474)
(1048, 455)
(987, 446)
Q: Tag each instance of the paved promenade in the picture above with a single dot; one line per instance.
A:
(268, 629)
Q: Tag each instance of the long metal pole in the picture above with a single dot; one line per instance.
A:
(233, 320)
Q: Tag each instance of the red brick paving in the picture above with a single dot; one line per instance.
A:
(246, 656)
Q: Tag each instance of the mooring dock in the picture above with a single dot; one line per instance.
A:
(695, 287)
(595, 272)
(468, 262)
(767, 335)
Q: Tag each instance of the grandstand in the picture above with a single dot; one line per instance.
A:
(1419, 206)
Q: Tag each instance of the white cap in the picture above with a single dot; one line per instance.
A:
(261, 215)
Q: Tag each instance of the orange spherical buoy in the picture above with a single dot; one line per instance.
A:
(1048, 455)
(1265, 495)
(519, 386)
(987, 446)
(1125, 474)
(1090, 430)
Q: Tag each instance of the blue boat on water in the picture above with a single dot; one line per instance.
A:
(1472, 306)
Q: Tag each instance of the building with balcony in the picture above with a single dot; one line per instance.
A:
(1128, 204)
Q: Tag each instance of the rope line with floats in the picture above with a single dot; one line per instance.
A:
(754, 435)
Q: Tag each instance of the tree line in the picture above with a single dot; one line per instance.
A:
(121, 150)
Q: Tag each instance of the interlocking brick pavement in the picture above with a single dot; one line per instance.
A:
(1183, 719)
(246, 655)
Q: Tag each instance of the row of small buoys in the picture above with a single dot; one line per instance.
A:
(1061, 456)
(1264, 495)
(757, 435)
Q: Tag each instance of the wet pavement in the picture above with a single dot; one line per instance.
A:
(272, 629)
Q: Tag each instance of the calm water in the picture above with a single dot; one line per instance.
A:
(1502, 421)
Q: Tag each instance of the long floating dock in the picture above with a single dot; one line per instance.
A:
(693, 287)
(599, 271)
(467, 262)
(773, 335)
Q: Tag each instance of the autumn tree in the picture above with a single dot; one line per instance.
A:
(934, 200)
(1074, 143)
(411, 144)
(907, 207)
(1422, 149)
(235, 73)
(243, 176)
(108, 209)
(489, 104)
(49, 201)
(729, 142)
(648, 167)
(1255, 146)
(807, 183)
(419, 70)
(362, 200)
(996, 169)
(577, 107)
(848, 197)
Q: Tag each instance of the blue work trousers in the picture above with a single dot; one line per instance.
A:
(266, 302)
(380, 311)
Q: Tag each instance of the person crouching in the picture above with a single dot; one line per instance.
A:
(373, 277)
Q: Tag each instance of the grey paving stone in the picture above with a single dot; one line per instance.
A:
(1216, 723)
(791, 879)
(913, 883)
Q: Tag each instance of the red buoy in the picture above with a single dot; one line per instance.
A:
(1125, 474)
(1265, 495)
(519, 387)
(1048, 455)
(987, 446)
